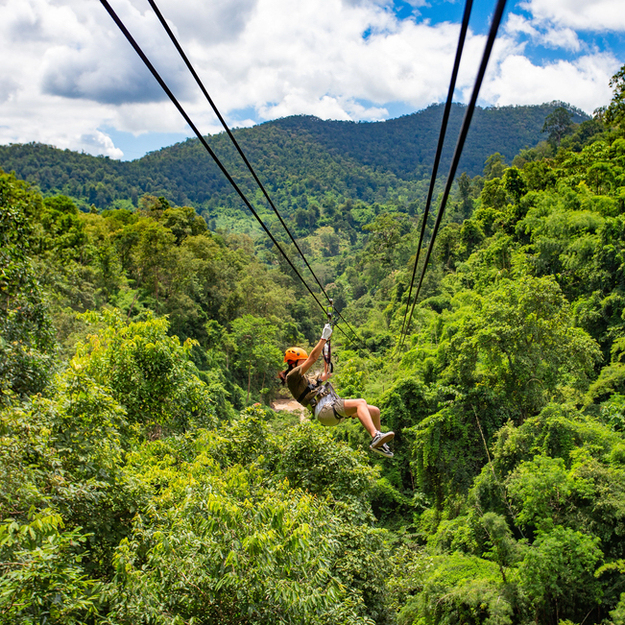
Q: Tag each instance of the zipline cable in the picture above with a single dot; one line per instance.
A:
(200, 84)
(203, 89)
(439, 149)
(186, 117)
(499, 9)
(181, 110)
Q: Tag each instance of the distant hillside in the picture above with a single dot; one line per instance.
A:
(300, 159)
(406, 146)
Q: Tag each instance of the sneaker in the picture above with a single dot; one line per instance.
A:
(380, 438)
(384, 450)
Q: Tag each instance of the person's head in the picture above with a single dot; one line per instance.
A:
(294, 356)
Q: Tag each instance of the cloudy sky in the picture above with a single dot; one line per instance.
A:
(70, 79)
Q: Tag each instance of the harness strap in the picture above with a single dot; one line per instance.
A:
(336, 414)
(326, 389)
(311, 388)
(327, 348)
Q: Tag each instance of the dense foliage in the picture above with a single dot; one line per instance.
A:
(145, 478)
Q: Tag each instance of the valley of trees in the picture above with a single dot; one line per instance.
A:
(144, 477)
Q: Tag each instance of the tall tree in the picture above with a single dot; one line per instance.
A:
(26, 336)
(255, 352)
(559, 124)
(615, 113)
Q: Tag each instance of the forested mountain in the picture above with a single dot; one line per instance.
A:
(145, 477)
(302, 160)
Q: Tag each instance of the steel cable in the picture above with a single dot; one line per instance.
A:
(439, 149)
(499, 9)
(186, 117)
(203, 89)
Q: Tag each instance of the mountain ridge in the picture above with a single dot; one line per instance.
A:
(301, 159)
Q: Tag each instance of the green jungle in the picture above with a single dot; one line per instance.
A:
(145, 477)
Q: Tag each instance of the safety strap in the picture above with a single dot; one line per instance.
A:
(337, 416)
(309, 389)
(322, 391)
(327, 348)
(303, 394)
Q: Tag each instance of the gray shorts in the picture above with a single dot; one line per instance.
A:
(332, 413)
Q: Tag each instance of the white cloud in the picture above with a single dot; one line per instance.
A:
(8, 88)
(320, 57)
(585, 15)
(99, 143)
(518, 24)
(69, 71)
(565, 38)
(543, 34)
(98, 64)
(326, 107)
(245, 123)
(583, 83)
(200, 22)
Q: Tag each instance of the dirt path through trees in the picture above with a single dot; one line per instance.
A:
(290, 405)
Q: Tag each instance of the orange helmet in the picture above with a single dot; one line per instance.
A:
(293, 354)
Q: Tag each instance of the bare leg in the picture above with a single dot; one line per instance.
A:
(374, 411)
(369, 416)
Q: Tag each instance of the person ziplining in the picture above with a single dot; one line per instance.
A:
(319, 396)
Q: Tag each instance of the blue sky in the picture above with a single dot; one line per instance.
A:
(73, 81)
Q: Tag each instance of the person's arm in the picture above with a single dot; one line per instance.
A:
(313, 355)
(316, 352)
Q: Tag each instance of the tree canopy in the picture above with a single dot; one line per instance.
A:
(147, 474)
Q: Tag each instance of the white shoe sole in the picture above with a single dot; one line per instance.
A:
(379, 451)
